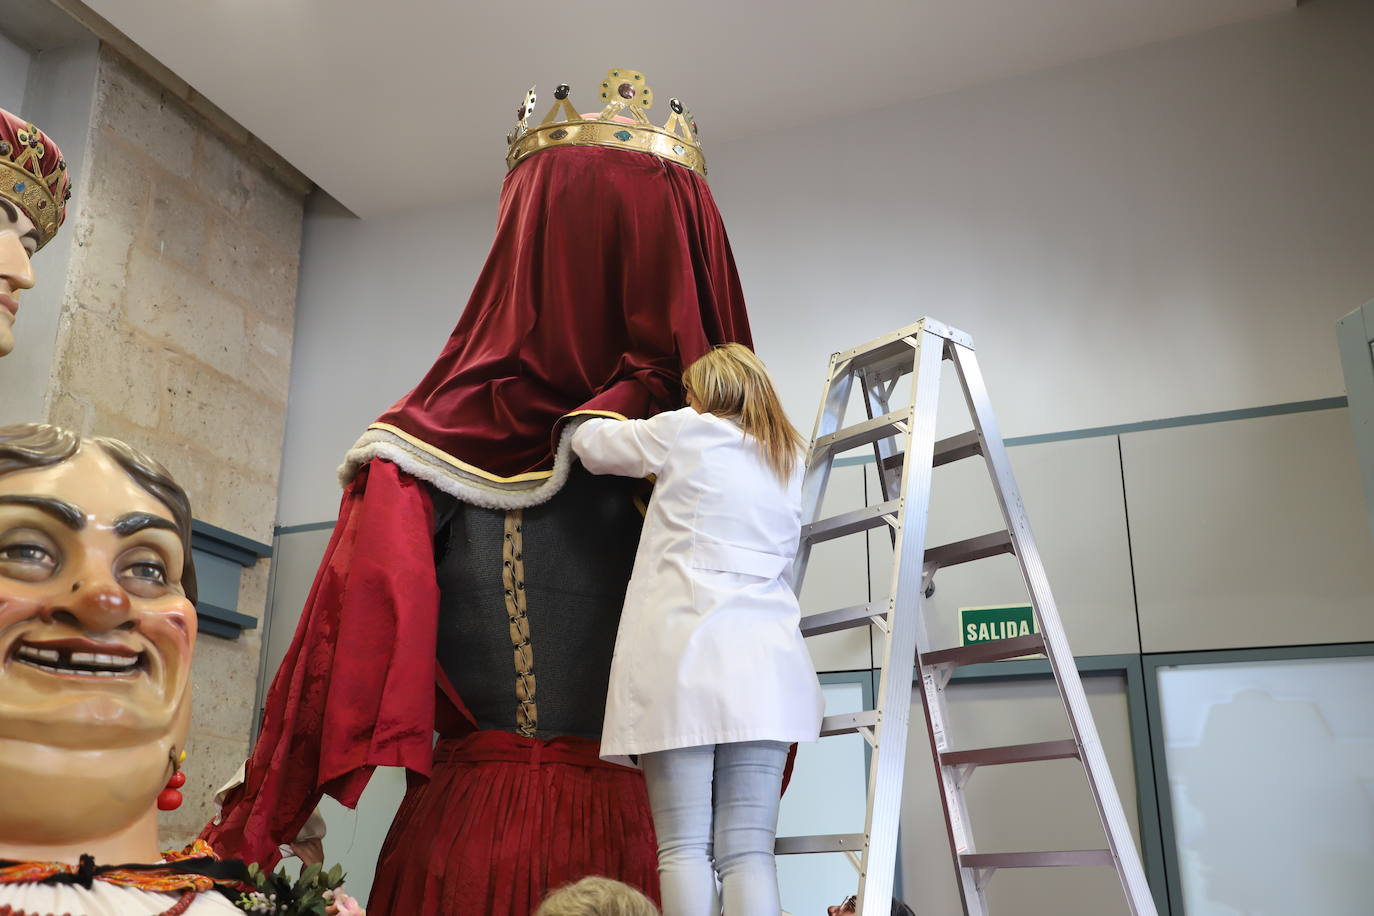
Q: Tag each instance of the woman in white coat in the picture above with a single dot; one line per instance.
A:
(711, 680)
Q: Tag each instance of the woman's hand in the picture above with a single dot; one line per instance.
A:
(310, 852)
(344, 905)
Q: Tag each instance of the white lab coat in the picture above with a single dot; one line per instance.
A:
(709, 650)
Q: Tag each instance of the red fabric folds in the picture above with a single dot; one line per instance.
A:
(356, 689)
(505, 819)
(610, 273)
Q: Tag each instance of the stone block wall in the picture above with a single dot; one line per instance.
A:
(175, 335)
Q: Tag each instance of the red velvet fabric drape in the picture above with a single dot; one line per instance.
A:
(610, 273)
(356, 689)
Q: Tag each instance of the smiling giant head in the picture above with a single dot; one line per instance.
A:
(97, 626)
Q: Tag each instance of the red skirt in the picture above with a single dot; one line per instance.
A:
(504, 819)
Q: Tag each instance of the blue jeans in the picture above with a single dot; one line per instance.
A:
(716, 813)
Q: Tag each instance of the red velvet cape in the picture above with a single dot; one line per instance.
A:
(610, 273)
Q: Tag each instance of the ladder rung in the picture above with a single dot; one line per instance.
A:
(955, 448)
(842, 619)
(847, 723)
(992, 651)
(834, 842)
(850, 522)
(969, 549)
(1013, 753)
(887, 349)
(860, 434)
(1037, 859)
(895, 351)
(926, 324)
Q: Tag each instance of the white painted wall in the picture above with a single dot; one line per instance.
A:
(1163, 231)
(377, 301)
(14, 73)
(1159, 232)
(57, 95)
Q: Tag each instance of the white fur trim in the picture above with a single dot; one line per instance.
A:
(378, 443)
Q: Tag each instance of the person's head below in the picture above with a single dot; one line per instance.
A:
(851, 905)
(596, 896)
(730, 381)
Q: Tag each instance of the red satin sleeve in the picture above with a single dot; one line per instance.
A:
(356, 689)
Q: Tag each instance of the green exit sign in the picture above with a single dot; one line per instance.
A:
(1000, 621)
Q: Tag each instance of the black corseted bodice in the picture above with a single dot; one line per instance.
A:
(530, 602)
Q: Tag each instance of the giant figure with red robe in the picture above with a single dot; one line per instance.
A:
(475, 577)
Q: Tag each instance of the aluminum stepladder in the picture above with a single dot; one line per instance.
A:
(906, 452)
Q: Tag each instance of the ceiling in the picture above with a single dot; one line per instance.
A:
(389, 104)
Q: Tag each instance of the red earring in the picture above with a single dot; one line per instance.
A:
(169, 798)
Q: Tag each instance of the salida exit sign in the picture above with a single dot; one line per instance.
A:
(999, 621)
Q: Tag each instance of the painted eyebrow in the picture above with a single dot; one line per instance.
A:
(134, 522)
(64, 512)
(13, 214)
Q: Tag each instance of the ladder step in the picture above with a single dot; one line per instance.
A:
(842, 619)
(885, 350)
(848, 723)
(834, 842)
(969, 549)
(1037, 859)
(947, 451)
(993, 651)
(860, 434)
(850, 522)
(957, 448)
(1013, 753)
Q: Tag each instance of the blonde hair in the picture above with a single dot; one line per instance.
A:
(730, 381)
(596, 896)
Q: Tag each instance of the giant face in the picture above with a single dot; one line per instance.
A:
(96, 633)
(18, 243)
(34, 188)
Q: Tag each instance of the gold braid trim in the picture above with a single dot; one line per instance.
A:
(513, 575)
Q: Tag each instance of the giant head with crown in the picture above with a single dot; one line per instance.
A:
(609, 273)
(34, 189)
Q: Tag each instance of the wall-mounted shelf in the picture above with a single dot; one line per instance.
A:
(221, 556)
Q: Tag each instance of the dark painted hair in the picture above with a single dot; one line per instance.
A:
(39, 445)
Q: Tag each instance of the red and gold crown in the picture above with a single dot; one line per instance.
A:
(622, 124)
(33, 175)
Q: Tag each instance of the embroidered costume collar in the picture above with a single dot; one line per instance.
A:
(195, 869)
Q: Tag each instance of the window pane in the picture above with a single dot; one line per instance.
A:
(1271, 775)
(828, 794)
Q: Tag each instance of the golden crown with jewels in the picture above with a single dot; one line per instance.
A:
(622, 124)
(33, 175)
